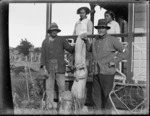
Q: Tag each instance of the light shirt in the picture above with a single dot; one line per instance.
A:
(51, 39)
(114, 27)
(84, 26)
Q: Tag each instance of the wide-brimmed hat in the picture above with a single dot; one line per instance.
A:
(87, 10)
(102, 23)
(52, 27)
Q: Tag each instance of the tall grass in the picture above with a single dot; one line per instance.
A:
(20, 93)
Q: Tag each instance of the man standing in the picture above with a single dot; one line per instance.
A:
(107, 51)
(52, 58)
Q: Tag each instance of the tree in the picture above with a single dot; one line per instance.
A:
(24, 46)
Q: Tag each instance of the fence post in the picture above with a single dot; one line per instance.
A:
(27, 83)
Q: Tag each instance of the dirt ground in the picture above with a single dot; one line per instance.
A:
(40, 112)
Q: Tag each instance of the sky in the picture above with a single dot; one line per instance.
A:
(28, 20)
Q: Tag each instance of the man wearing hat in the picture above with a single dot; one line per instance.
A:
(104, 48)
(52, 58)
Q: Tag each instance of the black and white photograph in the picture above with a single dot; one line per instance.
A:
(74, 57)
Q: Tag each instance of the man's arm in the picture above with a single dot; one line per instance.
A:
(88, 42)
(67, 46)
(122, 50)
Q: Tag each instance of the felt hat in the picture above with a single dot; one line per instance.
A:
(52, 27)
(102, 23)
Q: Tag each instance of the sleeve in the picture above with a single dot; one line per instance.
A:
(117, 28)
(43, 53)
(67, 46)
(122, 50)
(89, 27)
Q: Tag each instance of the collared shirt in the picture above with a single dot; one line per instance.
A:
(51, 39)
(52, 51)
(105, 46)
(104, 51)
(114, 27)
(83, 26)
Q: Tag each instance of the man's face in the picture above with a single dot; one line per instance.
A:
(82, 14)
(102, 31)
(108, 18)
(53, 33)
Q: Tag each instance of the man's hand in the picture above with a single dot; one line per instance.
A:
(76, 79)
(43, 71)
(90, 40)
(83, 36)
(85, 39)
(112, 64)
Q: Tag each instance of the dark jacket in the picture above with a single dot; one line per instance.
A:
(109, 49)
(55, 50)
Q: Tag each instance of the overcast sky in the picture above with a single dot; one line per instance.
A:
(29, 20)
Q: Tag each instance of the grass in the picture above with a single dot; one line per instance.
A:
(31, 104)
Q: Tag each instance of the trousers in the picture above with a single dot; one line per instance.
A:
(102, 86)
(50, 82)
